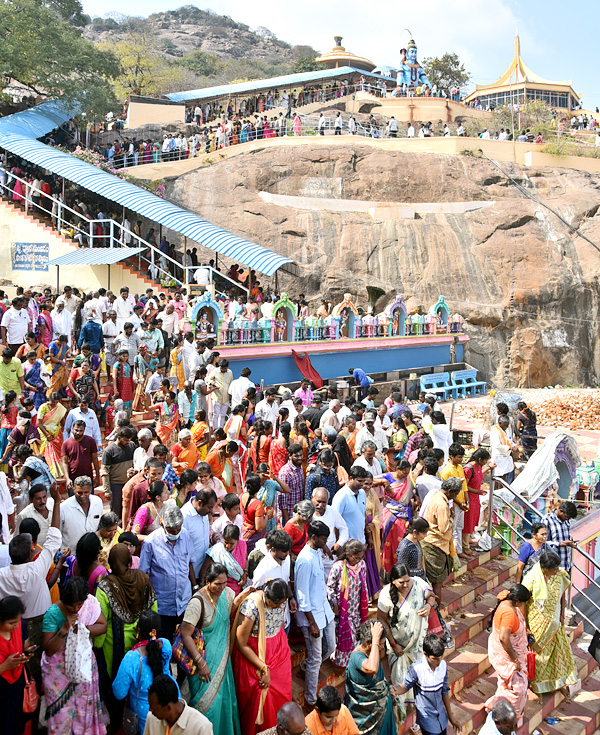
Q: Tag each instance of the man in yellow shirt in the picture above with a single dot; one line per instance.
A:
(454, 468)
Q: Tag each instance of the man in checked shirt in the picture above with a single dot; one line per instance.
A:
(293, 475)
(559, 532)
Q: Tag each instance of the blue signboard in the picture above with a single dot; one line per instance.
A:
(30, 256)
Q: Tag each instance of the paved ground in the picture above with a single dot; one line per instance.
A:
(587, 440)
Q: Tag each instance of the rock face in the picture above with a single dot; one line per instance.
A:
(525, 283)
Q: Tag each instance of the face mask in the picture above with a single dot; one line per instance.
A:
(172, 536)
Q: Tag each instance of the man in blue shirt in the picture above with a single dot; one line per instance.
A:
(91, 334)
(196, 519)
(351, 503)
(168, 559)
(84, 413)
(315, 616)
(360, 378)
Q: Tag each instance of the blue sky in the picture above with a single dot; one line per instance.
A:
(556, 43)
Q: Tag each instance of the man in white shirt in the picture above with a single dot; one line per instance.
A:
(123, 307)
(62, 321)
(144, 450)
(195, 360)
(338, 530)
(370, 432)
(442, 438)
(275, 564)
(330, 417)
(321, 124)
(97, 308)
(502, 448)
(268, 408)
(14, 325)
(40, 509)
(79, 514)
(170, 321)
(428, 480)
(410, 131)
(68, 299)
(26, 579)
(170, 715)
(239, 386)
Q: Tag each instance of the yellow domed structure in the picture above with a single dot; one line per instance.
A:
(338, 56)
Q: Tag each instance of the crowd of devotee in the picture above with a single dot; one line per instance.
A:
(167, 529)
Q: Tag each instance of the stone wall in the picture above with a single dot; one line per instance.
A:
(527, 287)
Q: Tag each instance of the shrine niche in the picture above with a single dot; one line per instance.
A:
(206, 316)
(397, 313)
(441, 311)
(347, 313)
(282, 316)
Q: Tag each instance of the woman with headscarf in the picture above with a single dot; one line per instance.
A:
(123, 595)
(24, 433)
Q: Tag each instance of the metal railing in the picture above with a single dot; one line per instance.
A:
(106, 232)
(491, 528)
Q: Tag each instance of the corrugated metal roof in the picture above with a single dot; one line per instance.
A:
(95, 256)
(37, 121)
(285, 81)
(143, 202)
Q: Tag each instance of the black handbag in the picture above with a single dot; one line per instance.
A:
(131, 719)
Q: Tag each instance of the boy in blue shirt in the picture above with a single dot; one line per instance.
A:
(429, 678)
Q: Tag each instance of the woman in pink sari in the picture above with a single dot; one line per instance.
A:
(507, 649)
(397, 512)
(72, 707)
(297, 125)
(231, 552)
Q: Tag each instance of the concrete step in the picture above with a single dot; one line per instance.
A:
(470, 712)
(467, 604)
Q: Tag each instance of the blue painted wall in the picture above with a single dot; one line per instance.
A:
(275, 370)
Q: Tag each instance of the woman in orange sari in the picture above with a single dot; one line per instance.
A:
(259, 452)
(350, 432)
(50, 419)
(168, 419)
(235, 428)
(278, 455)
(201, 434)
(227, 460)
(185, 454)
(301, 434)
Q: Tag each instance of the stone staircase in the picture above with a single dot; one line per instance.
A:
(468, 600)
(44, 223)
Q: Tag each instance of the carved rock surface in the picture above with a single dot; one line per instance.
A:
(525, 283)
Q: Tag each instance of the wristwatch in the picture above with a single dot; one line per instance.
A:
(195, 588)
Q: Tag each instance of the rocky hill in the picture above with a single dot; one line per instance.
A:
(224, 49)
(526, 285)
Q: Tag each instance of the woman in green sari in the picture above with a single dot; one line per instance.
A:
(368, 695)
(211, 690)
(554, 665)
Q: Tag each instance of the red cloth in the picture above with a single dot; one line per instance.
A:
(278, 658)
(13, 645)
(305, 366)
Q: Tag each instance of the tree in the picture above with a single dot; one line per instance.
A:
(44, 50)
(143, 71)
(446, 71)
(305, 63)
(201, 63)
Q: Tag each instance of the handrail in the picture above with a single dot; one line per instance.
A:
(498, 480)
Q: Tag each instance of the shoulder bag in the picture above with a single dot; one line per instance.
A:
(180, 652)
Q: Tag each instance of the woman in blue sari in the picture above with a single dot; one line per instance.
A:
(368, 695)
(211, 689)
(35, 388)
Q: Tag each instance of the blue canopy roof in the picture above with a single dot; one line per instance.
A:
(17, 135)
(37, 121)
(288, 80)
(95, 256)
